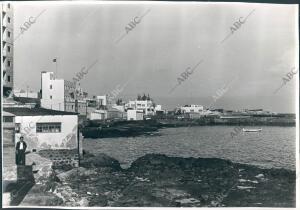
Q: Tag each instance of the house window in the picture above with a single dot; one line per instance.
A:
(48, 127)
(8, 48)
(8, 78)
(8, 6)
(8, 33)
(8, 19)
(50, 97)
(8, 119)
(8, 63)
(50, 86)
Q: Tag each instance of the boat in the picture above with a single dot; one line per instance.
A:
(252, 130)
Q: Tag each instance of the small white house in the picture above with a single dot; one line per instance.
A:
(191, 108)
(98, 114)
(26, 94)
(157, 108)
(102, 100)
(146, 106)
(45, 128)
(135, 114)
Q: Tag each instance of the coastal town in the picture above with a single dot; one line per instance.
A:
(57, 119)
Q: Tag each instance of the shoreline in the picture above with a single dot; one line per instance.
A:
(101, 129)
(160, 180)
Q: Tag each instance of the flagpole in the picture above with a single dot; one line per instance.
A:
(56, 67)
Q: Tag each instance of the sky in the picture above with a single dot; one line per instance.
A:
(167, 40)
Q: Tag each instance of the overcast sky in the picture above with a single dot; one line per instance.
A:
(166, 41)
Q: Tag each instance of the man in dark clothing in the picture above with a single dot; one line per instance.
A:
(20, 151)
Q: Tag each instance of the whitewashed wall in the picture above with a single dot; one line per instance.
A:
(66, 139)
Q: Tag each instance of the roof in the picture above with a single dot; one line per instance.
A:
(113, 110)
(7, 114)
(22, 111)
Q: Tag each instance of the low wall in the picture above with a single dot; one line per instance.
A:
(61, 157)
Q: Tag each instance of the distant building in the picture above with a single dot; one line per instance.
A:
(91, 102)
(102, 100)
(26, 94)
(19, 102)
(7, 46)
(61, 95)
(110, 113)
(146, 106)
(135, 115)
(204, 113)
(191, 108)
(116, 114)
(105, 110)
(157, 108)
(98, 115)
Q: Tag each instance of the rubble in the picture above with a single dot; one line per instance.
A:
(158, 180)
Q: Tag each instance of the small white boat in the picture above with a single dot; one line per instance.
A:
(252, 130)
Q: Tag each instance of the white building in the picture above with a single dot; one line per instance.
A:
(98, 114)
(110, 113)
(44, 128)
(53, 92)
(191, 108)
(7, 47)
(60, 94)
(157, 108)
(102, 100)
(26, 94)
(135, 114)
(146, 106)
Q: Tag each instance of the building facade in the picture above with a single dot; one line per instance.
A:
(26, 94)
(191, 108)
(7, 24)
(146, 106)
(102, 100)
(98, 115)
(61, 95)
(45, 128)
(135, 115)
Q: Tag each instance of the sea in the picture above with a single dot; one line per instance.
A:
(273, 147)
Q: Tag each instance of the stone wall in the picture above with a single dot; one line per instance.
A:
(61, 157)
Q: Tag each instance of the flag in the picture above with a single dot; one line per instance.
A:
(54, 60)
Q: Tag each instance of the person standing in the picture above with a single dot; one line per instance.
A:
(20, 151)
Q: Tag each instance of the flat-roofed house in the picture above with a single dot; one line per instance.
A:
(191, 108)
(46, 129)
(135, 114)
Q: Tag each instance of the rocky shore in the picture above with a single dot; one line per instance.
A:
(103, 129)
(158, 180)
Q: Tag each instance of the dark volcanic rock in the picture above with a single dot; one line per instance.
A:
(99, 160)
(159, 180)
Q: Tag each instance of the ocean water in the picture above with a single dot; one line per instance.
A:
(274, 147)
